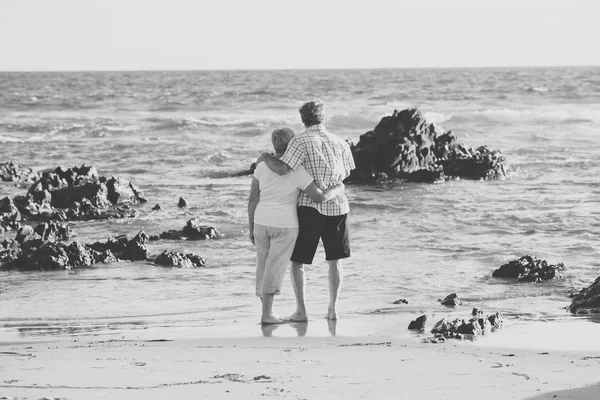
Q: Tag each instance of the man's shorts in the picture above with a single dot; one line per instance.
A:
(332, 230)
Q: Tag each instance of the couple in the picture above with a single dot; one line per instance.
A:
(297, 197)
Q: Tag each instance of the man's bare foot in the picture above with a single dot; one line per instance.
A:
(272, 319)
(298, 317)
(331, 314)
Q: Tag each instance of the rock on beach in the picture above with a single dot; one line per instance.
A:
(587, 301)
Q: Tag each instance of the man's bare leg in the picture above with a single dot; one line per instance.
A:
(267, 311)
(335, 283)
(298, 282)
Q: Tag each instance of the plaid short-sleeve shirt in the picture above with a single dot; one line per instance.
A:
(328, 159)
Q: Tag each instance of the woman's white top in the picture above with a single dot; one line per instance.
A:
(279, 196)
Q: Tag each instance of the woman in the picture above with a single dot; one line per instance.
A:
(273, 221)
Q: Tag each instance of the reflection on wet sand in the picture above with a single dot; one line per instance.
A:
(47, 329)
(300, 328)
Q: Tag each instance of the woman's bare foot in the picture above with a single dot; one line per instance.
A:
(298, 317)
(331, 314)
(272, 319)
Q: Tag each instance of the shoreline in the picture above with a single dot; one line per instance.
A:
(313, 360)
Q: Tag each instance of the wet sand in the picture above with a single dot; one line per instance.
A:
(314, 360)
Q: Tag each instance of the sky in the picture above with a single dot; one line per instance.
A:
(49, 35)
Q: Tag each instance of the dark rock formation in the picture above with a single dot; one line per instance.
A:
(124, 247)
(11, 172)
(475, 326)
(418, 324)
(529, 269)
(156, 208)
(588, 300)
(451, 300)
(405, 146)
(401, 301)
(193, 230)
(175, 259)
(29, 251)
(182, 203)
(78, 193)
(10, 217)
(53, 231)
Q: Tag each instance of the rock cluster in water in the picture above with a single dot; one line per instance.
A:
(175, 259)
(193, 230)
(71, 194)
(529, 269)
(587, 301)
(459, 328)
(405, 145)
(11, 172)
(42, 248)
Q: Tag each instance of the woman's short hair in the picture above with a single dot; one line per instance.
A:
(280, 138)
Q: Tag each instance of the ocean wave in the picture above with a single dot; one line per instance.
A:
(529, 115)
(538, 89)
(187, 123)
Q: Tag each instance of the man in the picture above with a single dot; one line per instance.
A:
(329, 160)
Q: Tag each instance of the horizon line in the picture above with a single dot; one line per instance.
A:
(294, 69)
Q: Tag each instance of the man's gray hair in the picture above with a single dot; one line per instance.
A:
(312, 113)
(280, 138)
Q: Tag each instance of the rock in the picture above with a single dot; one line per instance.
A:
(441, 326)
(11, 172)
(124, 247)
(406, 146)
(10, 217)
(193, 230)
(78, 193)
(25, 234)
(53, 231)
(156, 208)
(401, 301)
(182, 203)
(451, 300)
(469, 328)
(529, 269)
(175, 259)
(418, 324)
(587, 301)
(475, 326)
(39, 254)
(496, 320)
(476, 312)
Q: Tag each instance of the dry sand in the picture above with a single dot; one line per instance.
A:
(317, 360)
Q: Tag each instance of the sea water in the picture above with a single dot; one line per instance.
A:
(184, 134)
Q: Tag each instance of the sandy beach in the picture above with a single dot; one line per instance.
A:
(313, 360)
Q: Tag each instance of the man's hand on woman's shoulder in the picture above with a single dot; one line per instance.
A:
(262, 157)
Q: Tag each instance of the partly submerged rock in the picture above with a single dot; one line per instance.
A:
(404, 145)
(193, 230)
(10, 217)
(451, 300)
(175, 259)
(125, 247)
(529, 269)
(30, 252)
(418, 324)
(474, 326)
(182, 203)
(11, 172)
(587, 301)
(78, 193)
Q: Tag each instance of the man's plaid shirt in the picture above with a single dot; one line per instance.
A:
(328, 159)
